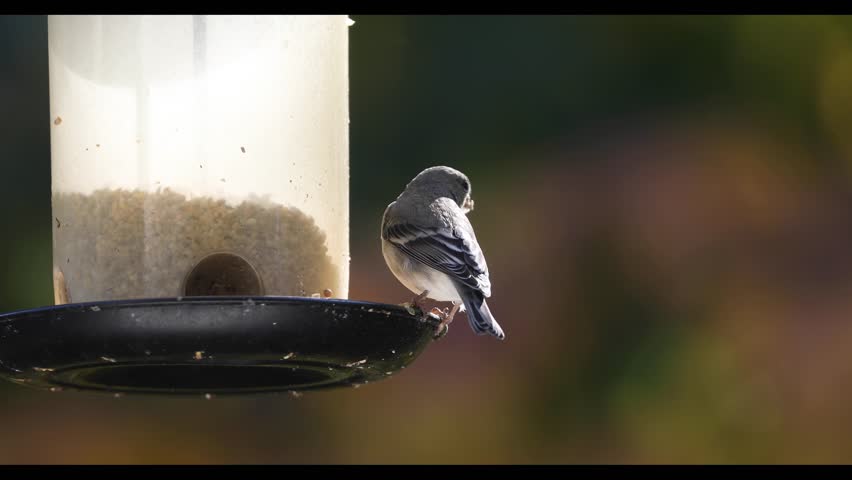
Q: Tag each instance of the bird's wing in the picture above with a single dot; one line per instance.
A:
(452, 251)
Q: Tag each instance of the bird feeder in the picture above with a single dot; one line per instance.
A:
(200, 202)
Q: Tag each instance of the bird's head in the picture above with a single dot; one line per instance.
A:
(444, 181)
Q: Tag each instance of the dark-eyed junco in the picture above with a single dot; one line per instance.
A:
(429, 245)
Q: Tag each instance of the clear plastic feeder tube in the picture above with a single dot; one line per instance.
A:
(199, 155)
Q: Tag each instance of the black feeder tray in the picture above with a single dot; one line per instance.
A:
(210, 345)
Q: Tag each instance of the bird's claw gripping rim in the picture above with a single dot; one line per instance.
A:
(442, 331)
(415, 309)
(412, 309)
(442, 316)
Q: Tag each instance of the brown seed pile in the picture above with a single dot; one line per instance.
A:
(119, 244)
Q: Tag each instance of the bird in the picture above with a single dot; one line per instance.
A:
(429, 245)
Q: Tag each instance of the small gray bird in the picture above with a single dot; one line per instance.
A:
(429, 245)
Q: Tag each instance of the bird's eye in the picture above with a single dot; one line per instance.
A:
(465, 185)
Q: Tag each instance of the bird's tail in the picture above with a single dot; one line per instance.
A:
(478, 314)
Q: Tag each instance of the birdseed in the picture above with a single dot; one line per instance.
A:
(121, 244)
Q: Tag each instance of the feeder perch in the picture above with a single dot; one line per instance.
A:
(200, 201)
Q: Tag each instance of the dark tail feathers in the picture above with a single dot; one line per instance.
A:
(478, 314)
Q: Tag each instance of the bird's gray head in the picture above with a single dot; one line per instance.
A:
(444, 181)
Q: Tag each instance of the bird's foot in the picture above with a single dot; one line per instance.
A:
(416, 304)
(446, 315)
(418, 300)
(409, 307)
(442, 331)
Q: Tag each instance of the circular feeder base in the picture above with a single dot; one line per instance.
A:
(210, 345)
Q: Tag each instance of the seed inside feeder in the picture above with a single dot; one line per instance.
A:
(120, 244)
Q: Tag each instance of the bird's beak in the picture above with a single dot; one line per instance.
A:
(468, 205)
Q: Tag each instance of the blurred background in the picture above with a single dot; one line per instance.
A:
(665, 204)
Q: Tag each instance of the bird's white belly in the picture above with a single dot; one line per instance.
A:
(418, 277)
